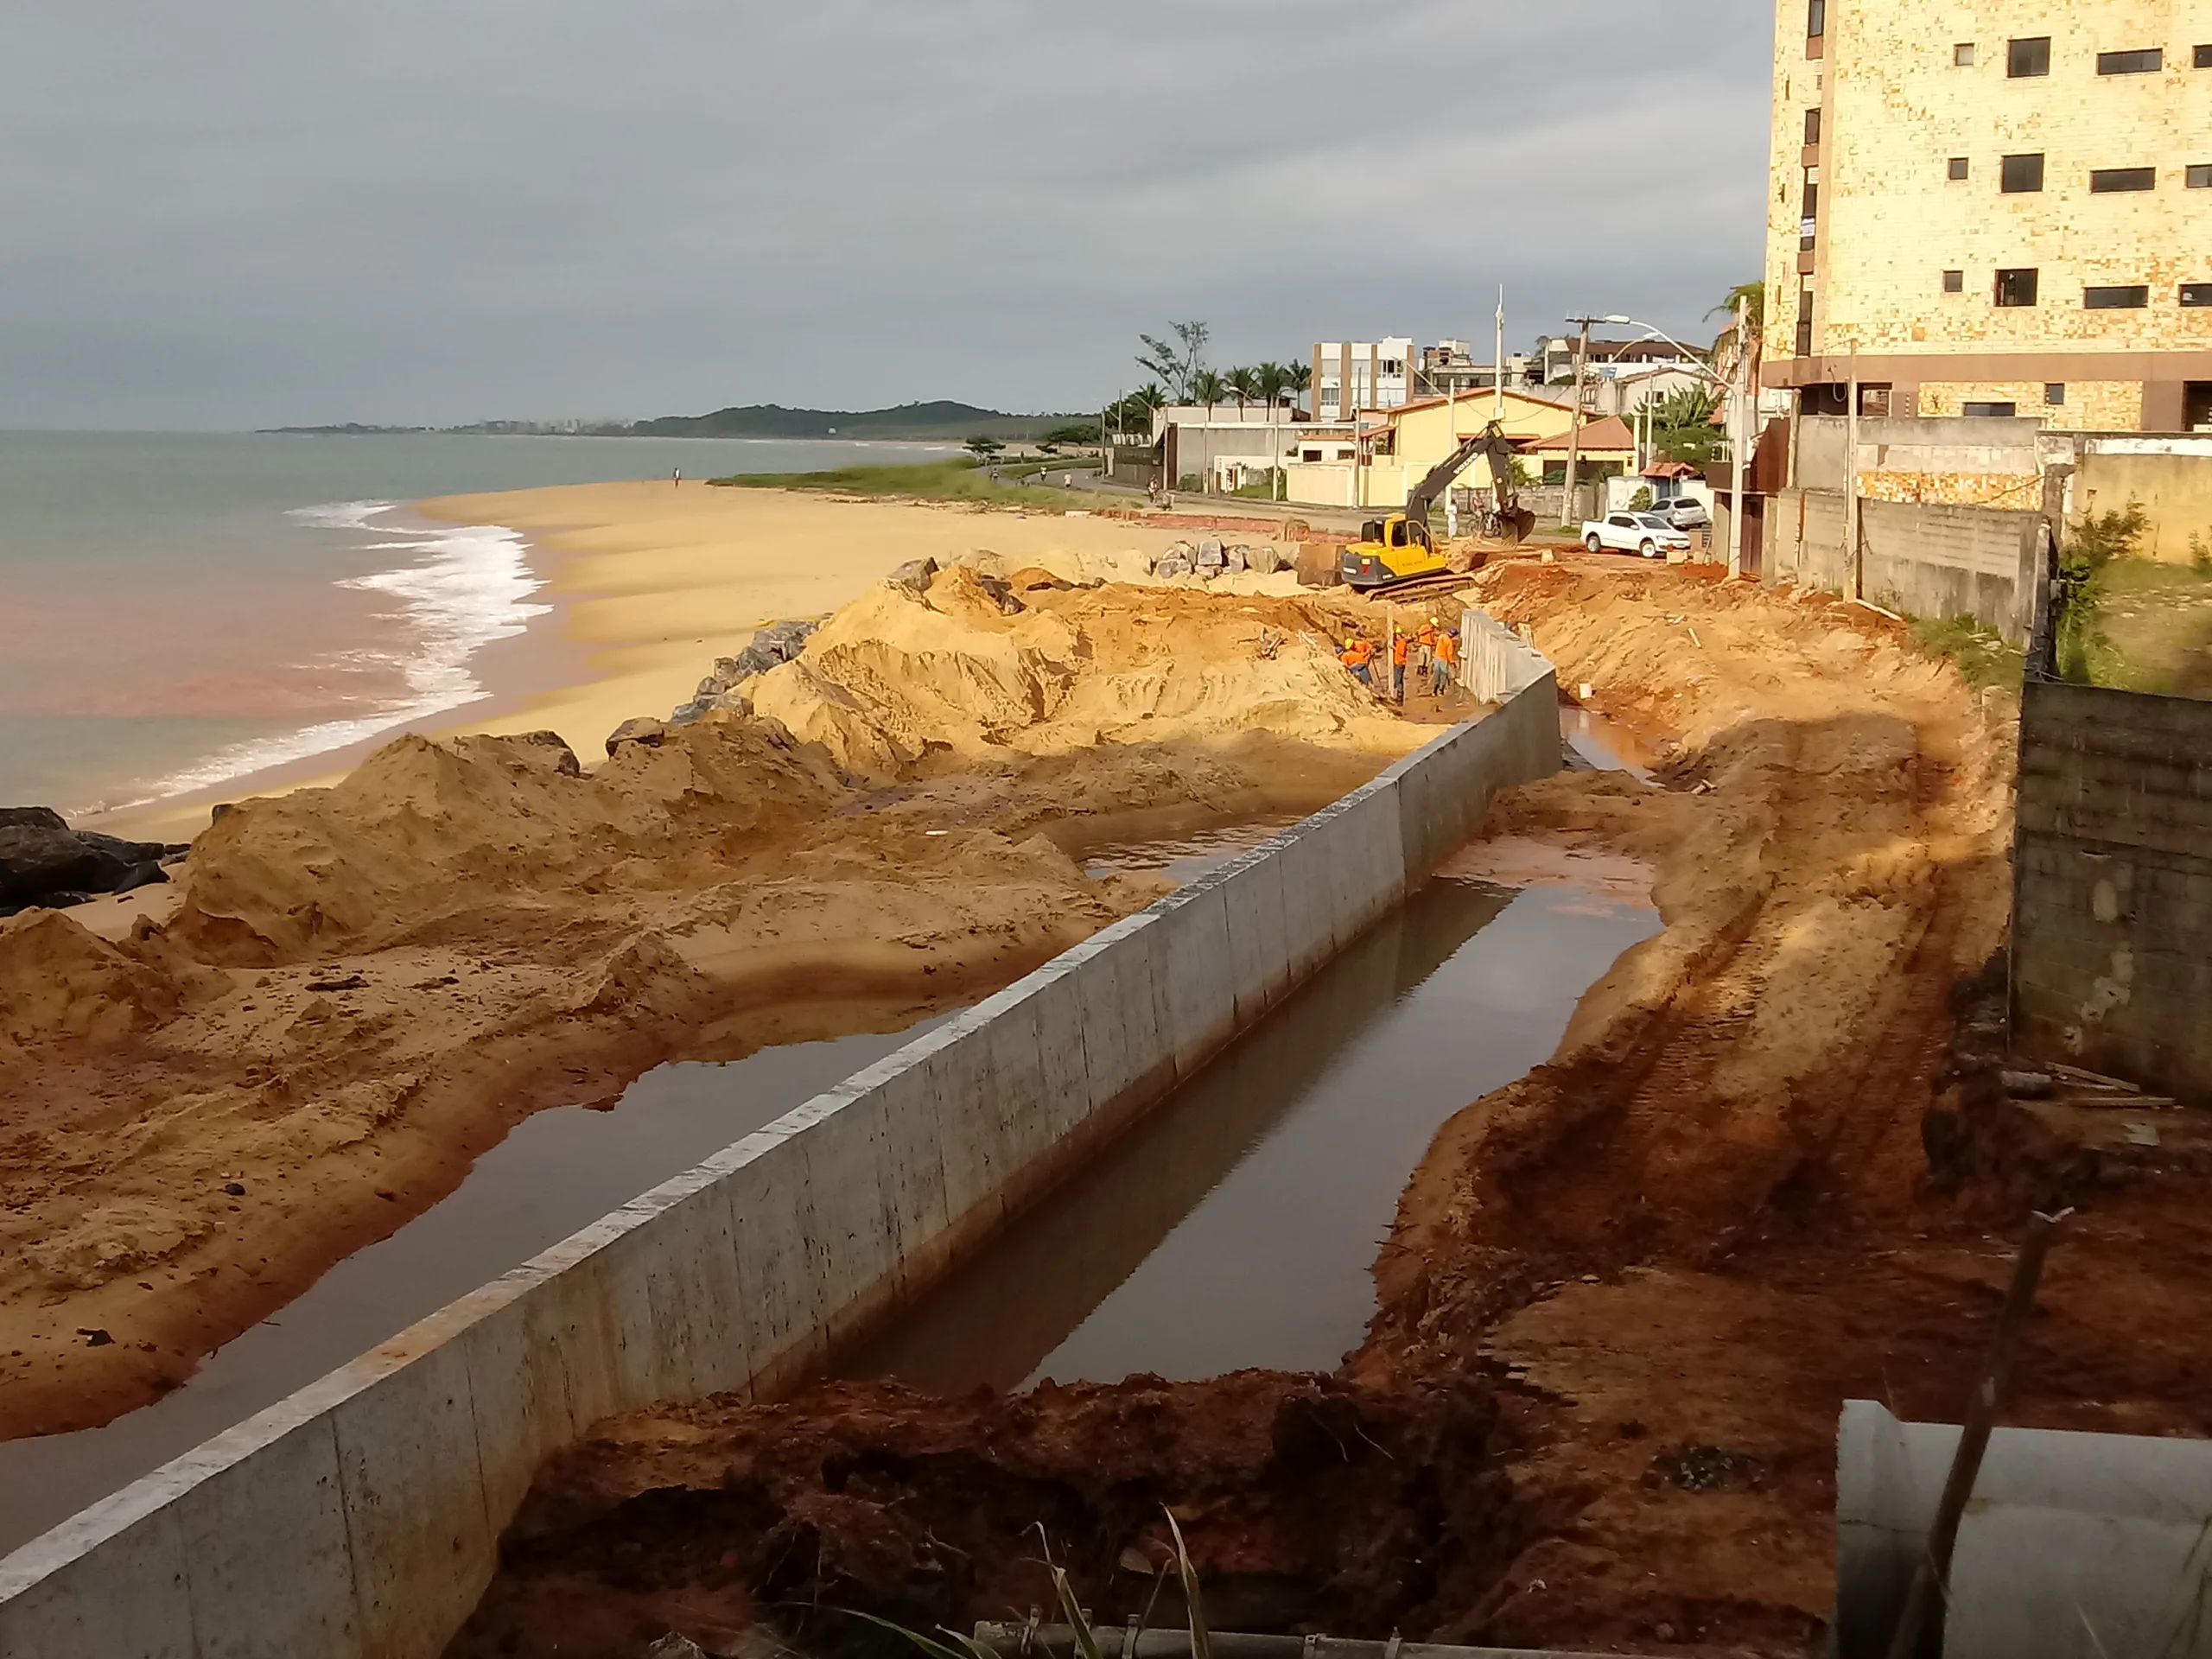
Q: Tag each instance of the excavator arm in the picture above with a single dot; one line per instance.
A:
(1491, 441)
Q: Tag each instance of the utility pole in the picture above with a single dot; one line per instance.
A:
(1497, 360)
(1740, 438)
(1574, 423)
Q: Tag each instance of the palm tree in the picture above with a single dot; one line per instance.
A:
(1207, 388)
(1243, 385)
(1302, 377)
(1273, 380)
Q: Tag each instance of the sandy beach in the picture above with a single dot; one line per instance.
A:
(651, 582)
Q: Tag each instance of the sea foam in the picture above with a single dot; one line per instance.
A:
(467, 587)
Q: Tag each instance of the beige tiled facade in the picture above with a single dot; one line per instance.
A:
(1897, 110)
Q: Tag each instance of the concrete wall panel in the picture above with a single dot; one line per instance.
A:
(770, 1220)
(288, 1587)
(1190, 945)
(103, 1589)
(422, 1545)
(361, 1516)
(1251, 895)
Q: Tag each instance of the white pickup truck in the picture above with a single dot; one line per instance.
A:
(1634, 532)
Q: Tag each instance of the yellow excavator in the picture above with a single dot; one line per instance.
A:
(1400, 548)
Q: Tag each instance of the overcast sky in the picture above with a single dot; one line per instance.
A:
(250, 213)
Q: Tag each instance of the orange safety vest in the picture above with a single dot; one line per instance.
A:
(1356, 654)
(1447, 649)
(1401, 651)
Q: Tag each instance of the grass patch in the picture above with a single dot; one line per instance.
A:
(1979, 652)
(961, 480)
(2152, 629)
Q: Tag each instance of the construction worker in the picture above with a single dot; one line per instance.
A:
(1355, 657)
(1401, 649)
(1446, 659)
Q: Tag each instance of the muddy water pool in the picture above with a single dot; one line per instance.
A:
(1238, 1224)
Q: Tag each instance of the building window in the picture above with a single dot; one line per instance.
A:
(1805, 322)
(2122, 297)
(1991, 412)
(1816, 18)
(1955, 282)
(2016, 287)
(2105, 180)
(2026, 58)
(2054, 394)
(2200, 178)
(1962, 54)
(2204, 57)
(2194, 293)
(2147, 62)
(1812, 127)
(2021, 175)
(1959, 167)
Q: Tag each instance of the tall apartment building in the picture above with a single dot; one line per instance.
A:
(1353, 375)
(1993, 207)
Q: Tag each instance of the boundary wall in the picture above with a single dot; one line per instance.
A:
(2111, 885)
(360, 1518)
(2073, 1544)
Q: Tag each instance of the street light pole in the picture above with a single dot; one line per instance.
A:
(1574, 420)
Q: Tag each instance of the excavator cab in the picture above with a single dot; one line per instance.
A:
(1389, 550)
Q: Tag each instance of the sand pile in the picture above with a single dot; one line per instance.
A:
(977, 668)
(425, 839)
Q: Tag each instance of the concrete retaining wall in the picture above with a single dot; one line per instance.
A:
(2112, 907)
(361, 1516)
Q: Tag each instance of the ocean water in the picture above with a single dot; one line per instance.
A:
(178, 609)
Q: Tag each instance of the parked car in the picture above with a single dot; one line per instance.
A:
(1633, 532)
(1685, 512)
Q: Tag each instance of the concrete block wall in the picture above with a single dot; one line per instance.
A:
(1924, 558)
(2111, 907)
(360, 1519)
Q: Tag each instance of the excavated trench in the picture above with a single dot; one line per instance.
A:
(1236, 1226)
(559, 1170)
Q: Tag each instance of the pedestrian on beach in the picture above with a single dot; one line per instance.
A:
(676, 477)
(1400, 649)
(1446, 659)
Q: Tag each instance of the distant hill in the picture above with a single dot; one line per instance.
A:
(941, 419)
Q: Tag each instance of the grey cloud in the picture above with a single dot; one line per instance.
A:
(431, 210)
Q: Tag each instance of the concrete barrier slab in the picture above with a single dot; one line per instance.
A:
(421, 1542)
(288, 1588)
(48, 1610)
(518, 1383)
(1308, 906)
(675, 1267)
(994, 1061)
(1251, 893)
(770, 1219)
(1191, 946)
(1113, 1034)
